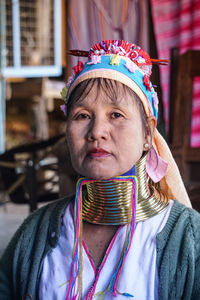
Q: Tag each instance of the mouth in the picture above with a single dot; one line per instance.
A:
(98, 152)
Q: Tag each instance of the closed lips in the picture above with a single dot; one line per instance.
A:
(98, 152)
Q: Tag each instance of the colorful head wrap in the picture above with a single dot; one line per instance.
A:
(129, 64)
(123, 62)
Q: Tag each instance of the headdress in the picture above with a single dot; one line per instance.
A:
(132, 66)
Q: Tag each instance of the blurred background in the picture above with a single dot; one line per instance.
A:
(35, 36)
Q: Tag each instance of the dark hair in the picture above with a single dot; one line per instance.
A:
(113, 89)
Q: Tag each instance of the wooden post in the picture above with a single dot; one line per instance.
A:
(2, 80)
(31, 184)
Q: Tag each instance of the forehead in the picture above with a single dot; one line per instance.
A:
(106, 92)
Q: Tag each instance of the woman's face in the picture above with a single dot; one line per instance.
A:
(105, 137)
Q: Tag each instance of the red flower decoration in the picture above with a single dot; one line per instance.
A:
(78, 68)
(145, 55)
(146, 82)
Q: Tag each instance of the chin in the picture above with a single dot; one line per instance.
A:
(100, 175)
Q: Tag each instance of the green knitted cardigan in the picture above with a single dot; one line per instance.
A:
(178, 253)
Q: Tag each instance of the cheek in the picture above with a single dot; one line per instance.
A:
(75, 140)
(73, 132)
(132, 139)
(74, 152)
(72, 141)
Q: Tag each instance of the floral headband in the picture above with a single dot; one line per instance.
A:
(121, 61)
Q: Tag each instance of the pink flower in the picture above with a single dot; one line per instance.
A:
(95, 59)
(131, 66)
(69, 81)
(78, 68)
(155, 100)
(63, 107)
(147, 82)
(146, 69)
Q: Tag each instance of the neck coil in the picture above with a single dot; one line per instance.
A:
(108, 202)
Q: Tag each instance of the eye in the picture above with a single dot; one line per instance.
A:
(116, 115)
(82, 116)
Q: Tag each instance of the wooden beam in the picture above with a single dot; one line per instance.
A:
(192, 154)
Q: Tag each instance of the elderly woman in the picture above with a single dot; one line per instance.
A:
(123, 235)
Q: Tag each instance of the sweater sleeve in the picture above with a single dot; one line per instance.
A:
(196, 289)
(8, 264)
(178, 255)
(16, 258)
(195, 221)
(21, 262)
(6, 276)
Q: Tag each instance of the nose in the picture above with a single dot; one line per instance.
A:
(98, 130)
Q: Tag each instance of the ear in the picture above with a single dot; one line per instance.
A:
(151, 126)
